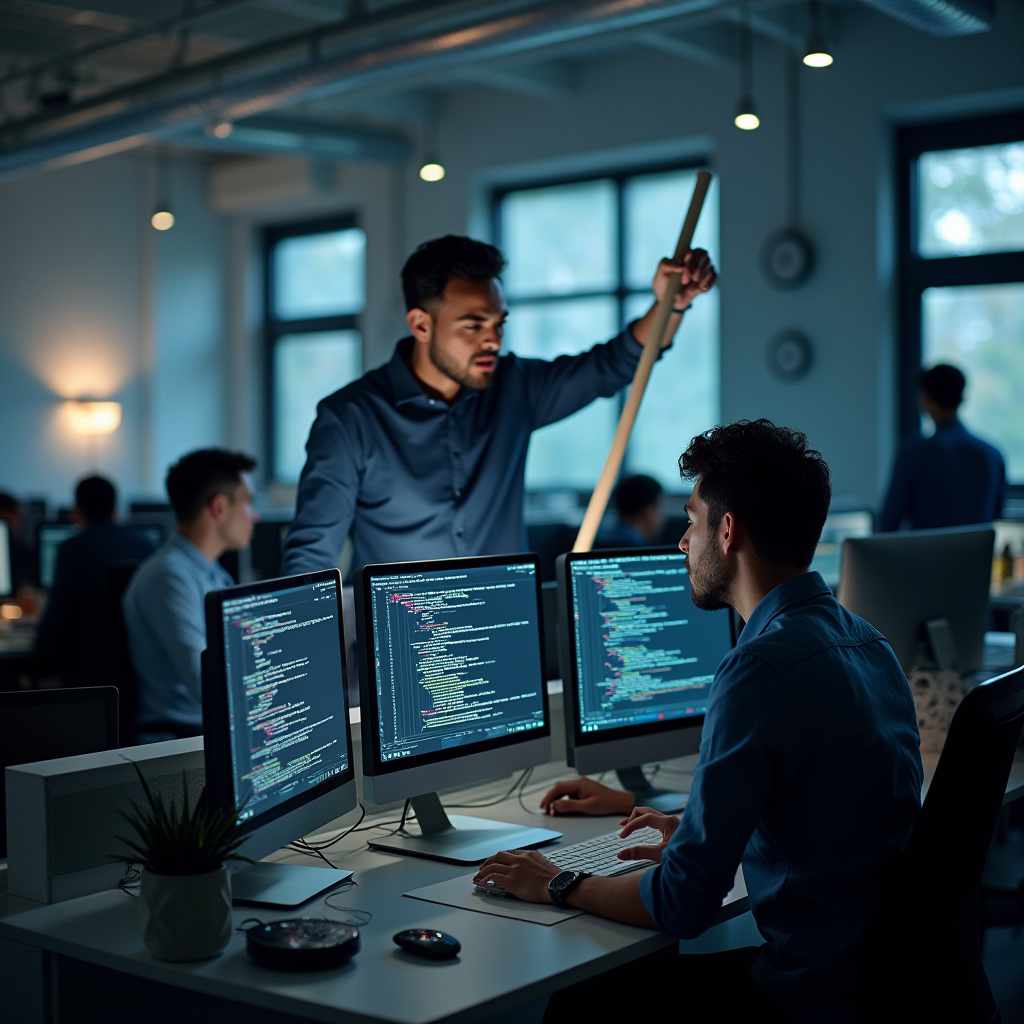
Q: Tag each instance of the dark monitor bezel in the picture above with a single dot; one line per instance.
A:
(575, 735)
(220, 787)
(5, 540)
(106, 695)
(369, 711)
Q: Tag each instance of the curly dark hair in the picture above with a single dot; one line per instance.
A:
(429, 269)
(767, 477)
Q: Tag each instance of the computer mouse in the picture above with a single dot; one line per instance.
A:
(427, 943)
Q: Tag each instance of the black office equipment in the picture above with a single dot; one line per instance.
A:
(922, 957)
(637, 663)
(119, 575)
(39, 725)
(427, 943)
(301, 943)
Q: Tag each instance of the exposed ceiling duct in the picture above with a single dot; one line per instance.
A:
(378, 49)
(941, 17)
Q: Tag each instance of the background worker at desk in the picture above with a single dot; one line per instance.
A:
(212, 494)
(425, 456)
(809, 770)
(951, 478)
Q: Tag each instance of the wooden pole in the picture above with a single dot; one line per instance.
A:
(603, 490)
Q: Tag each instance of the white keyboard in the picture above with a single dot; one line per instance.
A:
(600, 856)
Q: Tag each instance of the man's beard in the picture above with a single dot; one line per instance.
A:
(710, 581)
(459, 374)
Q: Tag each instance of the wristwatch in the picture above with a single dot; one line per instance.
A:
(562, 884)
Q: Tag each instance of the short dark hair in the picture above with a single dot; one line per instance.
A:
(944, 385)
(95, 497)
(429, 269)
(199, 476)
(635, 493)
(9, 505)
(767, 477)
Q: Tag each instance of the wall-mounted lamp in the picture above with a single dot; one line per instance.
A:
(816, 52)
(91, 418)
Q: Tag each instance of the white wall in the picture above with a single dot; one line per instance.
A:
(95, 303)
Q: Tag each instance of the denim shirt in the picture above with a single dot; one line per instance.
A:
(809, 774)
(166, 624)
(415, 478)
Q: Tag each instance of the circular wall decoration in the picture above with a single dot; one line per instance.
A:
(790, 355)
(787, 258)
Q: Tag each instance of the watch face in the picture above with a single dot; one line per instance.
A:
(562, 879)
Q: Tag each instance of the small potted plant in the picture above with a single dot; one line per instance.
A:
(185, 893)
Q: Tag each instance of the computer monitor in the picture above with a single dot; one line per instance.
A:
(6, 570)
(451, 692)
(153, 529)
(828, 556)
(900, 581)
(49, 537)
(40, 725)
(638, 658)
(275, 724)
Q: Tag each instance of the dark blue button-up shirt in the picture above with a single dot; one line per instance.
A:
(413, 477)
(949, 479)
(810, 774)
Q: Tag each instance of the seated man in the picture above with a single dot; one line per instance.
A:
(809, 771)
(640, 507)
(951, 478)
(77, 634)
(163, 606)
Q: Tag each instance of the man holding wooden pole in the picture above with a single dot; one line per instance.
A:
(425, 456)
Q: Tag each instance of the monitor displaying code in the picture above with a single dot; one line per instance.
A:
(286, 699)
(458, 657)
(644, 652)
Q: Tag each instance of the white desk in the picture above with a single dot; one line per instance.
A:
(68, 957)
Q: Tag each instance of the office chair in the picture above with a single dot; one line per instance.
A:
(119, 575)
(922, 956)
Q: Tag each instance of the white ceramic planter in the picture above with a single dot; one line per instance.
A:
(185, 917)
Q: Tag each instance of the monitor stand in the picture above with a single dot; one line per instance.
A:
(459, 838)
(645, 795)
(282, 885)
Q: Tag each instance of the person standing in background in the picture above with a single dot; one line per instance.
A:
(951, 478)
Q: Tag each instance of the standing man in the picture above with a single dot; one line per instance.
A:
(951, 478)
(425, 456)
(212, 493)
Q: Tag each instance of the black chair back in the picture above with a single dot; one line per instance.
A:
(922, 955)
(119, 575)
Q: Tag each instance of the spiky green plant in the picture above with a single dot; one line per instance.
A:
(173, 840)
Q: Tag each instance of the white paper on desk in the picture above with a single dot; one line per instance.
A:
(458, 892)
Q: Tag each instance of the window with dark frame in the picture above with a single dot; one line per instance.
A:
(960, 194)
(314, 295)
(581, 255)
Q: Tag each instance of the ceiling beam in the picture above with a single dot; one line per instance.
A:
(704, 46)
(545, 81)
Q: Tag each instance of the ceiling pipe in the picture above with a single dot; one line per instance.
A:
(400, 48)
(941, 17)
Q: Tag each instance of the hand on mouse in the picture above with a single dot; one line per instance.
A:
(645, 817)
(524, 873)
(585, 796)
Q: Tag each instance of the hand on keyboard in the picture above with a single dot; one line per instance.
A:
(641, 818)
(585, 796)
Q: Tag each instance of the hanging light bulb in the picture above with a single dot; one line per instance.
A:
(746, 118)
(432, 170)
(162, 219)
(746, 115)
(816, 52)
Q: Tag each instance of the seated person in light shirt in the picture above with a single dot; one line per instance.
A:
(809, 772)
(211, 492)
(640, 512)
